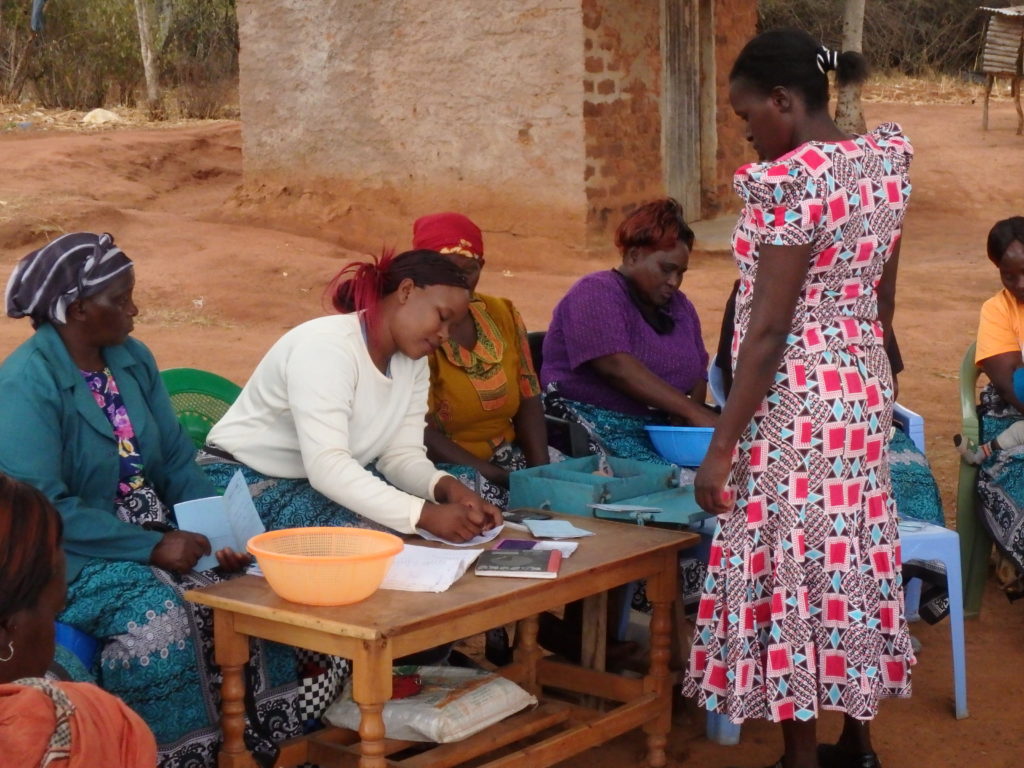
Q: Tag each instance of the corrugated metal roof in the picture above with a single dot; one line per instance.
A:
(1004, 39)
(1013, 10)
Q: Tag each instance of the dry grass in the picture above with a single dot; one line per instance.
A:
(932, 89)
(27, 116)
(883, 87)
(167, 317)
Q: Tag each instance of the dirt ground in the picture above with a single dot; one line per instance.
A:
(215, 291)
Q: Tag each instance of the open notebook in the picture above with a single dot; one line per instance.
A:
(428, 569)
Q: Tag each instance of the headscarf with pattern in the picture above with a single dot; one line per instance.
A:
(74, 266)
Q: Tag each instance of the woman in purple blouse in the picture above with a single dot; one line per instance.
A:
(624, 347)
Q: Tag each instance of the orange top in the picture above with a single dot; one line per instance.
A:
(74, 725)
(475, 393)
(1001, 327)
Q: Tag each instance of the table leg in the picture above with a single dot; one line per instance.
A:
(371, 690)
(661, 591)
(529, 652)
(232, 653)
(594, 639)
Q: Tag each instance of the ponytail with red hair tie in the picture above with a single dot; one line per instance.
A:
(360, 285)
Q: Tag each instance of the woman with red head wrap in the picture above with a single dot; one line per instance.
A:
(485, 417)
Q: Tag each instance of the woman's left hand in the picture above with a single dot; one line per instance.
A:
(231, 561)
(710, 486)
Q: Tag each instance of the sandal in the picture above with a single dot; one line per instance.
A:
(837, 756)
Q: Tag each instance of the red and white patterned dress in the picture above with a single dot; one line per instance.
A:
(803, 604)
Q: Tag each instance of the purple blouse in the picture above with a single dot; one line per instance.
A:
(597, 317)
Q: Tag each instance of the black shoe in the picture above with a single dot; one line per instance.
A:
(836, 756)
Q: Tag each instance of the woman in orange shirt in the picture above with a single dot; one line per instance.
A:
(45, 722)
(998, 354)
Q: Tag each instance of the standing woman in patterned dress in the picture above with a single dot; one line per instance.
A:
(803, 604)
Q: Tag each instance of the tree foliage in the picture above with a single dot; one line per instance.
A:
(88, 53)
(908, 36)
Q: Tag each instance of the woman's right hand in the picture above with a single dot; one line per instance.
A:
(179, 551)
(711, 484)
(702, 417)
(452, 522)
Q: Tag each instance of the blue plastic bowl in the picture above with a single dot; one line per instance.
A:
(685, 446)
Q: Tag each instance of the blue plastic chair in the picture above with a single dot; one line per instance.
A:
(84, 646)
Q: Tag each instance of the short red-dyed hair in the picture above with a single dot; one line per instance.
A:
(657, 226)
(30, 533)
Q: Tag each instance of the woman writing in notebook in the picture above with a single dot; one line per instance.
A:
(329, 428)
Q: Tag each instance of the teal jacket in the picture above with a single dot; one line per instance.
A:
(53, 436)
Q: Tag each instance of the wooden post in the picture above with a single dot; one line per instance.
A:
(1016, 100)
(989, 80)
(849, 112)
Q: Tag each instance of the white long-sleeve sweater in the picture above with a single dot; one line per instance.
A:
(317, 407)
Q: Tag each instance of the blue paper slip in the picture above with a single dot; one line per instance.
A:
(227, 521)
(555, 529)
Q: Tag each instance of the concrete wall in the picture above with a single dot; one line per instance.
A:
(540, 118)
(366, 114)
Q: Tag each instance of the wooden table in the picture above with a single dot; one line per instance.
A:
(391, 624)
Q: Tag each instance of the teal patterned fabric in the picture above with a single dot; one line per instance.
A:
(913, 485)
(609, 433)
(1001, 481)
(287, 502)
(158, 658)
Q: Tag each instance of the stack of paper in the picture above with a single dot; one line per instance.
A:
(428, 569)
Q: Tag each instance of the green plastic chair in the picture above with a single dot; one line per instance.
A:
(200, 399)
(975, 543)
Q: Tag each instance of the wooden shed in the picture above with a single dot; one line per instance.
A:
(1001, 54)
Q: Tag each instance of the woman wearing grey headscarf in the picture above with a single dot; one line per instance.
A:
(85, 418)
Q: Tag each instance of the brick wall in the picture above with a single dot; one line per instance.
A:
(621, 111)
(735, 24)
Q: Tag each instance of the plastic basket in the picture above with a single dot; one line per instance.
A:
(325, 566)
(685, 446)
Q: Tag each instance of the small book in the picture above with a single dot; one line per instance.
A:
(522, 563)
(565, 547)
(227, 521)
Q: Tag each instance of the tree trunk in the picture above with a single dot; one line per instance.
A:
(144, 15)
(849, 113)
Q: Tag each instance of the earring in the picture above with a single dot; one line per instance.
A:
(10, 652)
